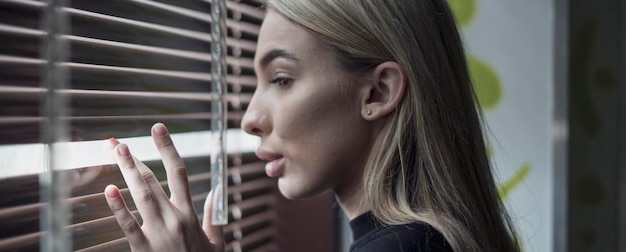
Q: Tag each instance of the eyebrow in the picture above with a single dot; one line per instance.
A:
(277, 53)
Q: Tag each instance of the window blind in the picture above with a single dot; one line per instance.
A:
(130, 64)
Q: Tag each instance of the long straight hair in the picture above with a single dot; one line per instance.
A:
(430, 162)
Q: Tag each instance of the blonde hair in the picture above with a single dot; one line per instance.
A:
(430, 164)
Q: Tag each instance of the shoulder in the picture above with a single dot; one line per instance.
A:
(415, 236)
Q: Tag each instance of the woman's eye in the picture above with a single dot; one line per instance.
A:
(281, 81)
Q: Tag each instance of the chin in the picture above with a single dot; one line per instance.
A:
(294, 191)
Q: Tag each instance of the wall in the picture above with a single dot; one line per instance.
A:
(510, 48)
(596, 112)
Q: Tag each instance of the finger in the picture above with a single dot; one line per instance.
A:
(111, 143)
(138, 183)
(174, 167)
(109, 146)
(125, 219)
(214, 233)
(147, 174)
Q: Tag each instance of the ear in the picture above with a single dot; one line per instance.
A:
(384, 91)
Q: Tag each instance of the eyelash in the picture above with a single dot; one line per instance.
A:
(281, 81)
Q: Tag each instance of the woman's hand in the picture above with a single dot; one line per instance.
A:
(168, 224)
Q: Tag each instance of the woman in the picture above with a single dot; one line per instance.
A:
(370, 99)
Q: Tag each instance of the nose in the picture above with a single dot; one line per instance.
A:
(255, 121)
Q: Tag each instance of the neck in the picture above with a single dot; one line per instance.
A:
(350, 195)
(351, 200)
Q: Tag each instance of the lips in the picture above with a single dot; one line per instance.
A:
(275, 165)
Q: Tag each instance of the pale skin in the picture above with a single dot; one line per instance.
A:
(315, 136)
(170, 224)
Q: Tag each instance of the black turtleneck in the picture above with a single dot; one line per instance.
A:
(371, 235)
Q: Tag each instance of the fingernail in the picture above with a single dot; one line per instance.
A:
(122, 150)
(110, 143)
(160, 129)
(110, 191)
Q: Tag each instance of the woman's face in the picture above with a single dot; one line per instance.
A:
(307, 116)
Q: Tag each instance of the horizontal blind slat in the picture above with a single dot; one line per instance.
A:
(232, 42)
(271, 246)
(138, 24)
(7, 59)
(120, 244)
(17, 30)
(250, 221)
(254, 12)
(251, 187)
(30, 3)
(244, 208)
(91, 67)
(257, 238)
(208, 115)
(21, 243)
(178, 10)
(80, 93)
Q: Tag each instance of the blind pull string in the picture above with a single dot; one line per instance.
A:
(53, 216)
(219, 107)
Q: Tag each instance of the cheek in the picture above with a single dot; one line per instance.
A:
(313, 118)
(322, 131)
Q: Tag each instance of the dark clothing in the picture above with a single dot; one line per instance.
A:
(370, 235)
